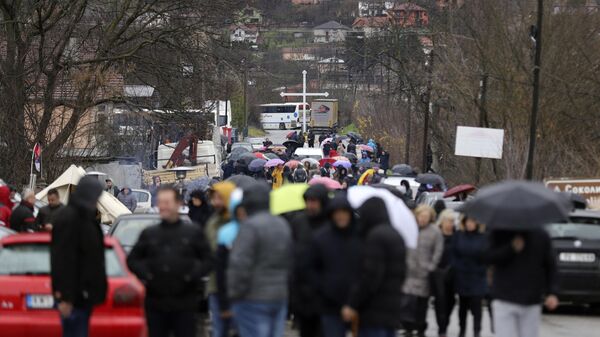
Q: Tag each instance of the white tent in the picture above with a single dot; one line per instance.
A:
(110, 208)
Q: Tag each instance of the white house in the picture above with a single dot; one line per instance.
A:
(372, 8)
(243, 34)
(331, 31)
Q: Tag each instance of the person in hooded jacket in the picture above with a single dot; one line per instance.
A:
(259, 265)
(128, 199)
(199, 208)
(77, 267)
(5, 210)
(335, 260)
(303, 300)
(375, 300)
(300, 174)
(220, 195)
(225, 238)
(470, 272)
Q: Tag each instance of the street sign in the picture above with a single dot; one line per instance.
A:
(479, 142)
(587, 188)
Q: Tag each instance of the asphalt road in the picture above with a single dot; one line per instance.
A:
(566, 322)
(278, 136)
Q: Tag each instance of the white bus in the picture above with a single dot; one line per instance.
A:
(283, 116)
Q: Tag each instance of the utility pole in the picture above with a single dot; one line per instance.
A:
(245, 130)
(536, 35)
(408, 130)
(427, 107)
(482, 120)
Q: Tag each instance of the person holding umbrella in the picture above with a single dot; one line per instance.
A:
(520, 251)
(470, 272)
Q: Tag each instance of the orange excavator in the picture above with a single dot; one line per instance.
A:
(178, 157)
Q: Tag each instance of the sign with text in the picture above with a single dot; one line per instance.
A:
(587, 188)
(479, 142)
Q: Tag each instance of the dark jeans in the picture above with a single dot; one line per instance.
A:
(420, 316)
(333, 326)
(77, 324)
(220, 326)
(309, 325)
(165, 323)
(442, 287)
(472, 304)
(376, 332)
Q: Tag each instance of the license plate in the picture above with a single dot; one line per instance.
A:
(39, 301)
(577, 257)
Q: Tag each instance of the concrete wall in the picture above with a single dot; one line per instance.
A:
(122, 175)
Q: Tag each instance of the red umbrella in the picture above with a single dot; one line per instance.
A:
(292, 164)
(323, 161)
(456, 190)
(260, 156)
(327, 182)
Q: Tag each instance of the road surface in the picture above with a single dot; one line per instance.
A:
(278, 136)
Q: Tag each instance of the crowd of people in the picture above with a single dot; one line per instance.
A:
(348, 160)
(331, 267)
(335, 269)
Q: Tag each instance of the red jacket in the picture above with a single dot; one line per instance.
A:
(5, 210)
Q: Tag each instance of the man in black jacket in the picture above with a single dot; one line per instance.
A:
(171, 259)
(303, 300)
(77, 259)
(524, 277)
(22, 218)
(376, 297)
(46, 214)
(335, 263)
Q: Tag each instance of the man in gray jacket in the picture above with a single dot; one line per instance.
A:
(259, 263)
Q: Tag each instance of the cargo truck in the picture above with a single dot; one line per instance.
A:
(324, 115)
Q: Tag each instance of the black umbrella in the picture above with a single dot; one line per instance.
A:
(402, 169)
(430, 179)
(237, 153)
(245, 159)
(271, 155)
(517, 205)
(350, 156)
(355, 136)
(242, 181)
(291, 143)
(366, 164)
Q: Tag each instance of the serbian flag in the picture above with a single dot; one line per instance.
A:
(37, 157)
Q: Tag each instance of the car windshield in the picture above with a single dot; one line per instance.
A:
(34, 259)
(574, 230)
(141, 196)
(127, 231)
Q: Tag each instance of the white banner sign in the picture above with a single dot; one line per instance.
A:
(479, 142)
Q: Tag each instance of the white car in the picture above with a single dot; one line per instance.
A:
(396, 182)
(309, 152)
(144, 200)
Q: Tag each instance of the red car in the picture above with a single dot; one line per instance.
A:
(26, 303)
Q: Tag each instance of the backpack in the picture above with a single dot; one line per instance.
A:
(300, 175)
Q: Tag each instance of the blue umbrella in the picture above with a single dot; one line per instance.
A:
(344, 164)
(196, 184)
(257, 165)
